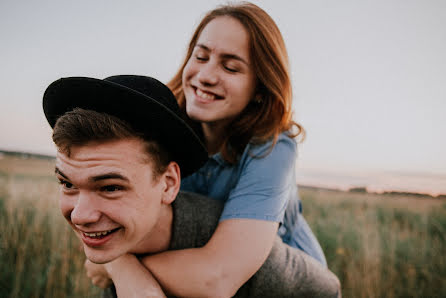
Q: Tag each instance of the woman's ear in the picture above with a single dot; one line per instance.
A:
(172, 182)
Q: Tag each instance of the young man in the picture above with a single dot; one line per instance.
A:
(121, 144)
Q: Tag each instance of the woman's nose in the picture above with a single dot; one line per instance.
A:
(208, 74)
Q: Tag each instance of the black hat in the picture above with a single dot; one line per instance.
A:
(143, 102)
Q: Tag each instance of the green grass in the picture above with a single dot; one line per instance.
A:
(378, 246)
(39, 254)
(378, 250)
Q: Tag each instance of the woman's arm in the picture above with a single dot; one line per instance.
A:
(234, 253)
(239, 246)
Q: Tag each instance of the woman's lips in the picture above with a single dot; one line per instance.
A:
(203, 96)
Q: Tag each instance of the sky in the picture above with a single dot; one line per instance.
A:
(369, 77)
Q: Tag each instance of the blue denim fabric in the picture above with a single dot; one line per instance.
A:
(296, 232)
(261, 185)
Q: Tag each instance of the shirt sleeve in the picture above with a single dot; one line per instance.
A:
(266, 182)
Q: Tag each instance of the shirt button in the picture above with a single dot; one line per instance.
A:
(209, 174)
(282, 230)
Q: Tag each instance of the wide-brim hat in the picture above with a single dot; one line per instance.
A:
(145, 103)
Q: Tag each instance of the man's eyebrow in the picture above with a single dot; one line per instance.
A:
(106, 176)
(226, 56)
(57, 171)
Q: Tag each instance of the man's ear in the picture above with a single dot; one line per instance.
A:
(172, 182)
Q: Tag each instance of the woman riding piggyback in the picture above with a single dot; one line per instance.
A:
(235, 86)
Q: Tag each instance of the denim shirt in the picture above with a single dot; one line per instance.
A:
(262, 185)
(259, 186)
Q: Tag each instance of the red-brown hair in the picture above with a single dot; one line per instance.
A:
(266, 118)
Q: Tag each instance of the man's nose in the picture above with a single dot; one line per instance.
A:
(85, 211)
(208, 74)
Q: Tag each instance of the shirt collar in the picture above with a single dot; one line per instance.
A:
(218, 158)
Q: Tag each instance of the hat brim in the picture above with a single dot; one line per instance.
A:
(142, 112)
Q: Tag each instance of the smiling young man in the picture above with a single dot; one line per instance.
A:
(114, 204)
(122, 148)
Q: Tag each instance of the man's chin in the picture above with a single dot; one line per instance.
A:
(100, 257)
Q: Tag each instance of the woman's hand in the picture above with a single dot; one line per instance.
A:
(98, 274)
(130, 277)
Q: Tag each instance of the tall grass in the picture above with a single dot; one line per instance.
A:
(39, 254)
(379, 246)
(377, 249)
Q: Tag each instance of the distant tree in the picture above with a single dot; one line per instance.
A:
(358, 189)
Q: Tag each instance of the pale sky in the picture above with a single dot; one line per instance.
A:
(369, 77)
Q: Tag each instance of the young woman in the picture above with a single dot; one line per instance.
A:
(235, 82)
(234, 85)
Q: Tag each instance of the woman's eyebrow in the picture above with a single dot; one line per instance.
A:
(235, 57)
(225, 56)
(202, 46)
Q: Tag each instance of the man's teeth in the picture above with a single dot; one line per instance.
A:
(205, 95)
(97, 234)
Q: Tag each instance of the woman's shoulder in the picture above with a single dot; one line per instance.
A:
(270, 154)
(284, 144)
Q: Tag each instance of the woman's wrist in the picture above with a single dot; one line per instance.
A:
(114, 266)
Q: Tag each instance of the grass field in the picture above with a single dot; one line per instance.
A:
(381, 246)
(378, 245)
(39, 254)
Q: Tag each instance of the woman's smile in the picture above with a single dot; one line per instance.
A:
(218, 80)
(206, 96)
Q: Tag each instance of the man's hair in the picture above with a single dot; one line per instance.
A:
(79, 127)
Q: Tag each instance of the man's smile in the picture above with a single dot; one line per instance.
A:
(95, 239)
(99, 234)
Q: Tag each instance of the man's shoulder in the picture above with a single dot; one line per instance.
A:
(186, 199)
(195, 218)
(193, 207)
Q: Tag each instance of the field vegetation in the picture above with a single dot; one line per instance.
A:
(39, 254)
(381, 245)
(378, 245)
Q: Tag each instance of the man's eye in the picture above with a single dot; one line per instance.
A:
(111, 188)
(66, 184)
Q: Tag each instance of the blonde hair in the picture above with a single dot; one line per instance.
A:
(271, 114)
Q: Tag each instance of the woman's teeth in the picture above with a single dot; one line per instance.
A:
(205, 95)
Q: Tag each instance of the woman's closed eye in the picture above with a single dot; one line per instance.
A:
(201, 58)
(231, 69)
(232, 65)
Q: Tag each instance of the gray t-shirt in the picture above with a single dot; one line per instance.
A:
(287, 272)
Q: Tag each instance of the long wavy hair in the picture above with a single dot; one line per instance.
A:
(271, 112)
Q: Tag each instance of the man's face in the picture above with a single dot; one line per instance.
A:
(109, 197)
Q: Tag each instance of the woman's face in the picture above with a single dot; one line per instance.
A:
(218, 79)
